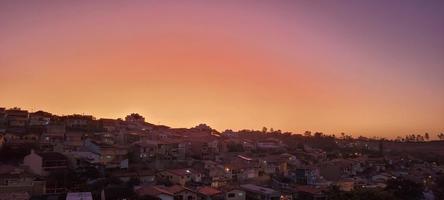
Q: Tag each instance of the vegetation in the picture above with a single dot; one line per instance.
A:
(397, 189)
(438, 190)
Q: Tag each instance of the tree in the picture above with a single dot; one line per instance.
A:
(426, 136)
(438, 190)
(359, 194)
(405, 189)
(264, 129)
(318, 134)
(441, 136)
(307, 133)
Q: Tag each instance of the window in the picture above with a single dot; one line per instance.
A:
(231, 195)
(190, 197)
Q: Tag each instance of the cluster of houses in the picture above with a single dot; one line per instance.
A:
(198, 163)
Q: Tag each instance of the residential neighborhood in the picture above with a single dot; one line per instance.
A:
(46, 156)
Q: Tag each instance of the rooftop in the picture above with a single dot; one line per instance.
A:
(259, 189)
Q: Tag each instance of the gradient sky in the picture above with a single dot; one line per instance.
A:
(373, 68)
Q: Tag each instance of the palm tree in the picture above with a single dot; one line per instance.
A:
(426, 136)
(264, 129)
(441, 136)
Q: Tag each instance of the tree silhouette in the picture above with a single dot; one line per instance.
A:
(439, 187)
(264, 129)
(441, 136)
(405, 189)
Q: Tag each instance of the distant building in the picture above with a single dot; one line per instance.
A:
(160, 149)
(180, 176)
(54, 134)
(255, 192)
(112, 156)
(43, 163)
(78, 122)
(39, 118)
(305, 175)
(16, 117)
(235, 194)
(2, 117)
(109, 125)
(16, 181)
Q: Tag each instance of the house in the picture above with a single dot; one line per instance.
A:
(210, 193)
(269, 144)
(346, 184)
(145, 150)
(305, 175)
(234, 193)
(17, 180)
(11, 138)
(78, 122)
(182, 193)
(273, 164)
(111, 156)
(52, 135)
(159, 149)
(204, 148)
(39, 118)
(255, 192)
(55, 133)
(20, 139)
(292, 160)
(306, 192)
(105, 137)
(282, 183)
(82, 159)
(379, 164)
(217, 174)
(155, 192)
(180, 176)
(73, 140)
(335, 169)
(79, 196)
(242, 168)
(2, 116)
(16, 117)
(43, 163)
(109, 125)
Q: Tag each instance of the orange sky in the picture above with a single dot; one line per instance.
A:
(290, 66)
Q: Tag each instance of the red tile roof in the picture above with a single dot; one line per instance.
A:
(209, 191)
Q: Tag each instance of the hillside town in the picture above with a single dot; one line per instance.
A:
(73, 157)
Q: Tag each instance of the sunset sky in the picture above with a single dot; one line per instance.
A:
(372, 68)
